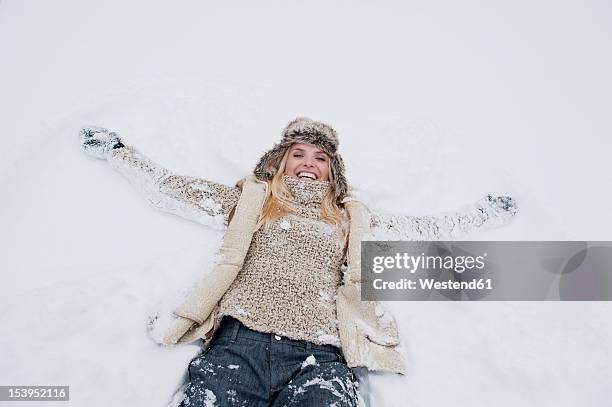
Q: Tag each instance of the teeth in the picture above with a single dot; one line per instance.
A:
(307, 175)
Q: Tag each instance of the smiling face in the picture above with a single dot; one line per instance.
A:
(307, 163)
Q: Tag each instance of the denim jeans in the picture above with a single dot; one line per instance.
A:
(243, 367)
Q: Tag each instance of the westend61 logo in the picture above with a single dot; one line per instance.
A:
(477, 270)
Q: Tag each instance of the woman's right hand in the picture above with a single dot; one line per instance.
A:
(99, 142)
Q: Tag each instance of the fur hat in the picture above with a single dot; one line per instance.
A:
(306, 131)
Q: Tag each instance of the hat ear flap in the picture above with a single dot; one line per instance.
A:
(340, 184)
(268, 165)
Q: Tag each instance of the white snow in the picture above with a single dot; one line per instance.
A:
(327, 385)
(202, 187)
(179, 396)
(310, 360)
(233, 366)
(329, 339)
(241, 311)
(210, 204)
(209, 398)
(232, 396)
(436, 104)
(325, 296)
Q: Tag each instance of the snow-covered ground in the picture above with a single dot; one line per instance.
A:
(436, 102)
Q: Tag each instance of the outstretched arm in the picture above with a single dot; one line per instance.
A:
(193, 198)
(488, 212)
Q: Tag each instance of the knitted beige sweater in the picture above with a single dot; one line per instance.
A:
(291, 273)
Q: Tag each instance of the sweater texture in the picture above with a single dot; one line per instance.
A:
(291, 273)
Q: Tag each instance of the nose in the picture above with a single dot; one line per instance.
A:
(309, 161)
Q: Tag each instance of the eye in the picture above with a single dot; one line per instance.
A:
(297, 155)
(321, 159)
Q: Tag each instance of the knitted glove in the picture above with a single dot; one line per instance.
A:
(98, 142)
(497, 210)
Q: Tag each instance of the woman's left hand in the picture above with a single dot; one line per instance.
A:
(502, 203)
(496, 210)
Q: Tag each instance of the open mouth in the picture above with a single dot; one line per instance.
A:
(307, 176)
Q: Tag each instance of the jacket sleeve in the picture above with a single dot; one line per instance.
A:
(196, 199)
(487, 213)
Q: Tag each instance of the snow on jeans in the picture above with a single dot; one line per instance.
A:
(243, 367)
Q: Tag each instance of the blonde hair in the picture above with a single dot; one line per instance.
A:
(278, 202)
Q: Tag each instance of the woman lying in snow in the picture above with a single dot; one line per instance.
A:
(280, 315)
